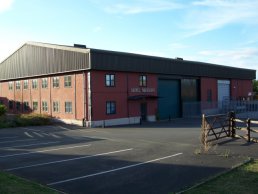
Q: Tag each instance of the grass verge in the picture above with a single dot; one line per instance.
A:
(243, 179)
(10, 184)
(24, 120)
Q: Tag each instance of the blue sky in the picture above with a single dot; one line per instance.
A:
(217, 31)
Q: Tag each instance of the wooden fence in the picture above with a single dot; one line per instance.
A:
(215, 127)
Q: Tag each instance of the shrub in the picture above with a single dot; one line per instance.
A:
(3, 110)
(32, 120)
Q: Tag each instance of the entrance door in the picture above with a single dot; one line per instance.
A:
(144, 111)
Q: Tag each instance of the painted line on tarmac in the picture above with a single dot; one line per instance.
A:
(27, 134)
(113, 170)
(42, 151)
(28, 145)
(12, 137)
(18, 141)
(67, 160)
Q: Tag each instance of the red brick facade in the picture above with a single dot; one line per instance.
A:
(88, 95)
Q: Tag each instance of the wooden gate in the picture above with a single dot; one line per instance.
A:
(215, 127)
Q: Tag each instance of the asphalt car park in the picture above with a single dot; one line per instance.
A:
(149, 158)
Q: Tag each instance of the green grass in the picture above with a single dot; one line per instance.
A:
(10, 184)
(243, 179)
(24, 120)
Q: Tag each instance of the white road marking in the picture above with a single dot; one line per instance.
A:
(28, 145)
(13, 137)
(18, 141)
(64, 128)
(54, 135)
(38, 134)
(67, 160)
(27, 134)
(41, 151)
(113, 170)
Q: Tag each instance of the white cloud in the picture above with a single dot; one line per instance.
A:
(5, 5)
(208, 15)
(142, 6)
(241, 57)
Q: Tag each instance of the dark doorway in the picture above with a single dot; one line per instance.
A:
(144, 111)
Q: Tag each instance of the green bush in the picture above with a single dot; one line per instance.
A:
(24, 120)
(3, 110)
(32, 120)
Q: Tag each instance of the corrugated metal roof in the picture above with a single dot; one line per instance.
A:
(119, 61)
(35, 59)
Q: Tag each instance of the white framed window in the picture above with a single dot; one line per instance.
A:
(18, 106)
(18, 85)
(26, 105)
(44, 106)
(110, 107)
(25, 84)
(143, 80)
(68, 107)
(34, 84)
(67, 81)
(10, 85)
(35, 105)
(110, 80)
(44, 82)
(55, 106)
(55, 82)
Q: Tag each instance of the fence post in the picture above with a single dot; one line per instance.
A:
(203, 135)
(229, 124)
(233, 125)
(248, 130)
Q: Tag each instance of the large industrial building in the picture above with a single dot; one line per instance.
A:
(79, 85)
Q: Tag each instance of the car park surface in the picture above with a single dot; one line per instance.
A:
(149, 158)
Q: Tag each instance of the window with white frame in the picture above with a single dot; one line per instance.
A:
(18, 85)
(18, 106)
(35, 105)
(55, 82)
(55, 106)
(10, 85)
(25, 84)
(68, 81)
(44, 106)
(26, 105)
(44, 82)
(110, 107)
(68, 107)
(110, 80)
(34, 84)
(143, 80)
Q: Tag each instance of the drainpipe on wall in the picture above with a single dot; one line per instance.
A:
(84, 100)
(75, 108)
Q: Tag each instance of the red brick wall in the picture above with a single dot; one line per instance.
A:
(209, 84)
(120, 93)
(49, 95)
(241, 88)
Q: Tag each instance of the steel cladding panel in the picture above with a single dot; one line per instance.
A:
(169, 99)
(32, 60)
(116, 61)
(223, 90)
